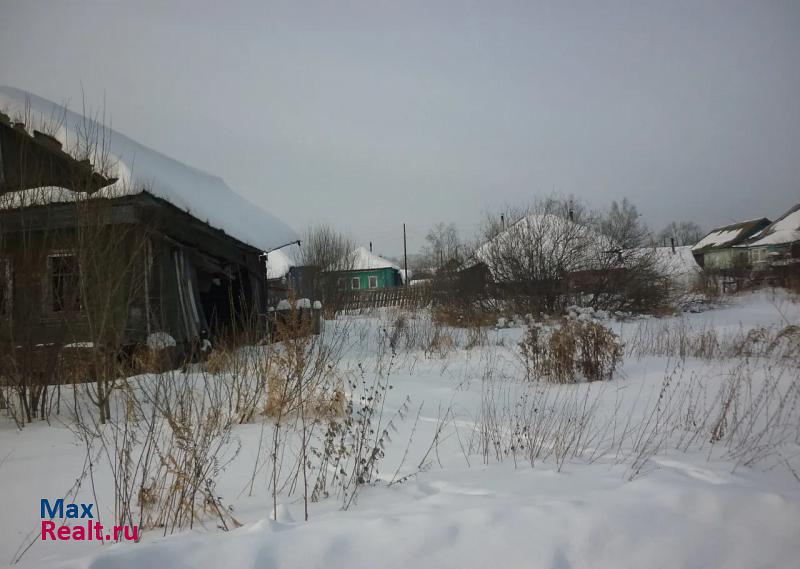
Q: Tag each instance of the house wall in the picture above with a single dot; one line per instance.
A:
(723, 259)
(762, 256)
(386, 278)
(29, 318)
(195, 278)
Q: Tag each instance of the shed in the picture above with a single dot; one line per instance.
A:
(85, 211)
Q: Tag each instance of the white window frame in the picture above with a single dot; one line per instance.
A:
(372, 279)
(355, 283)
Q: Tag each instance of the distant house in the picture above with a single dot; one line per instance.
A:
(720, 249)
(181, 249)
(286, 277)
(366, 270)
(557, 246)
(778, 244)
(678, 265)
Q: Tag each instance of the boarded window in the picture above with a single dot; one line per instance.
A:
(355, 283)
(373, 282)
(6, 287)
(63, 280)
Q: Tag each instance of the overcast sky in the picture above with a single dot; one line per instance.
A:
(370, 114)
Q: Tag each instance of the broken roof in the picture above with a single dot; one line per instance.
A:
(785, 229)
(730, 235)
(140, 169)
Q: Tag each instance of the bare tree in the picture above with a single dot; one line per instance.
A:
(556, 252)
(442, 246)
(326, 248)
(329, 252)
(630, 276)
(684, 233)
(530, 251)
(622, 224)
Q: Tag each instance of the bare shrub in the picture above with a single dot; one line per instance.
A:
(410, 331)
(574, 350)
(353, 448)
(462, 316)
(554, 253)
(745, 413)
(530, 251)
(165, 443)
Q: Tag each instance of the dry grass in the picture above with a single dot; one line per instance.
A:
(678, 338)
(462, 316)
(574, 350)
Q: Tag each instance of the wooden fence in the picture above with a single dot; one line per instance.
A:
(400, 297)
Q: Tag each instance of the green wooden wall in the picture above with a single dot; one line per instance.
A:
(386, 278)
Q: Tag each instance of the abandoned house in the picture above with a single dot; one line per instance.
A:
(778, 244)
(106, 241)
(720, 249)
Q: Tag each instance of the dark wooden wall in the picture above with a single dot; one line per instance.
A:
(128, 222)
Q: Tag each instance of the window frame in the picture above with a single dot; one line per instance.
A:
(48, 300)
(7, 276)
(371, 279)
(355, 283)
(2, 170)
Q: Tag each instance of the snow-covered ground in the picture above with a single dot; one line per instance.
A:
(638, 483)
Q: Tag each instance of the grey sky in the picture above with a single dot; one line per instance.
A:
(369, 114)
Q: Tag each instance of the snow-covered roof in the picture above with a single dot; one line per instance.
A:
(679, 265)
(729, 235)
(785, 229)
(364, 260)
(139, 169)
(41, 196)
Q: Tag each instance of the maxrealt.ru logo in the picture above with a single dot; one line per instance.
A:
(78, 524)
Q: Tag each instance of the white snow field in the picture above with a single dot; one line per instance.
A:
(487, 469)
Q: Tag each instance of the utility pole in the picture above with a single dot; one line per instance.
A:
(405, 257)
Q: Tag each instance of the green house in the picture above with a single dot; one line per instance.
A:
(369, 271)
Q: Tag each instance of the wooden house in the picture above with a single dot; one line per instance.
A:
(720, 251)
(287, 278)
(777, 246)
(366, 271)
(107, 241)
(774, 252)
